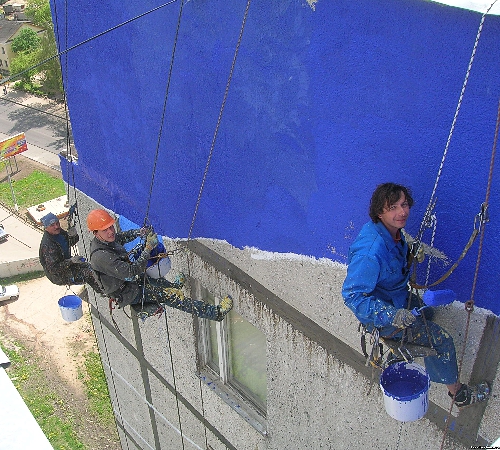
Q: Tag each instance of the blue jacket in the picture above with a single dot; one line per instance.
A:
(377, 276)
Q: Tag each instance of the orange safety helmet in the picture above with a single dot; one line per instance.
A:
(98, 219)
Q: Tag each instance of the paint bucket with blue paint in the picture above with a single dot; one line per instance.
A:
(406, 391)
(71, 307)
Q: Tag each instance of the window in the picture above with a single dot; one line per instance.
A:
(3, 51)
(234, 353)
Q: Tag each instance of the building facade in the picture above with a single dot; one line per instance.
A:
(251, 134)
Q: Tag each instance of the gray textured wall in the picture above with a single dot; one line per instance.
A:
(318, 391)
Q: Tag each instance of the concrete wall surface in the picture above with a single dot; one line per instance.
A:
(319, 392)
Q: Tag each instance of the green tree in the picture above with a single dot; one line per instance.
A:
(21, 65)
(39, 13)
(48, 73)
(26, 41)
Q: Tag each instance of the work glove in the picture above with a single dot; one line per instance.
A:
(403, 318)
(72, 232)
(151, 241)
(144, 231)
(77, 259)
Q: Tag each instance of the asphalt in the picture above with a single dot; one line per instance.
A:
(19, 253)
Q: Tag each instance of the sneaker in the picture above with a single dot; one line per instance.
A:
(468, 395)
(225, 306)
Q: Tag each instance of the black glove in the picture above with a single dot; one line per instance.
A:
(72, 232)
(403, 318)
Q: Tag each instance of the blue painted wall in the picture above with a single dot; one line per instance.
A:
(325, 103)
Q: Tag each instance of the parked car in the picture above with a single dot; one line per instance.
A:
(3, 234)
(10, 292)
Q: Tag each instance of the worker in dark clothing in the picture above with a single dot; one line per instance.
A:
(55, 256)
(127, 282)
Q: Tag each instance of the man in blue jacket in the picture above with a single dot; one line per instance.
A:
(376, 290)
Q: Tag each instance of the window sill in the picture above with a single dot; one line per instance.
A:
(235, 401)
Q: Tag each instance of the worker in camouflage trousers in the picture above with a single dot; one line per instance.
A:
(126, 280)
(55, 256)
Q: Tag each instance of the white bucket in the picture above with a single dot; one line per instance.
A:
(71, 307)
(160, 268)
(406, 391)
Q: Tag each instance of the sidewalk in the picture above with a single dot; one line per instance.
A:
(19, 253)
(34, 152)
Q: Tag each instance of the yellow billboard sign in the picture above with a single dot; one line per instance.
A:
(13, 145)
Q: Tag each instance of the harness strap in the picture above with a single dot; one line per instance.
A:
(111, 305)
(452, 268)
(363, 340)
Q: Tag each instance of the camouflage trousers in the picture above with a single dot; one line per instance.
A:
(83, 273)
(157, 293)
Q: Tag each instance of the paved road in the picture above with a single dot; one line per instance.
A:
(43, 121)
(21, 249)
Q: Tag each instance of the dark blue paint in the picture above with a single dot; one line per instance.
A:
(402, 383)
(323, 106)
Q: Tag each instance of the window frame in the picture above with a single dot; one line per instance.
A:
(234, 393)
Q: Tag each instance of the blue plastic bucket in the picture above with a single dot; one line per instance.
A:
(406, 391)
(71, 307)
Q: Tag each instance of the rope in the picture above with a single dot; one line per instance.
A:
(68, 146)
(167, 89)
(469, 305)
(146, 217)
(431, 244)
(452, 268)
(219, 119)
(86, 41)
(205, 173)
(430, 206)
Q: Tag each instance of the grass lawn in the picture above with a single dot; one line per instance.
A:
(45, 405)
(36, 188)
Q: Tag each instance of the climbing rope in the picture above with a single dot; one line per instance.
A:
(430, 206)
(167, 89)
(86, 41)
(72, 178)
(429, 218)
(469, 305)
(219, 119)
(472, 238)
(205, 173)
(146, 216)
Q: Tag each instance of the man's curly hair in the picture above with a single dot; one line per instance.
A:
(385, 195)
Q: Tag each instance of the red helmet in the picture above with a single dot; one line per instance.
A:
(98, 219)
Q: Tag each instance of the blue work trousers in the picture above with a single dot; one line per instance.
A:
(443, 367)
